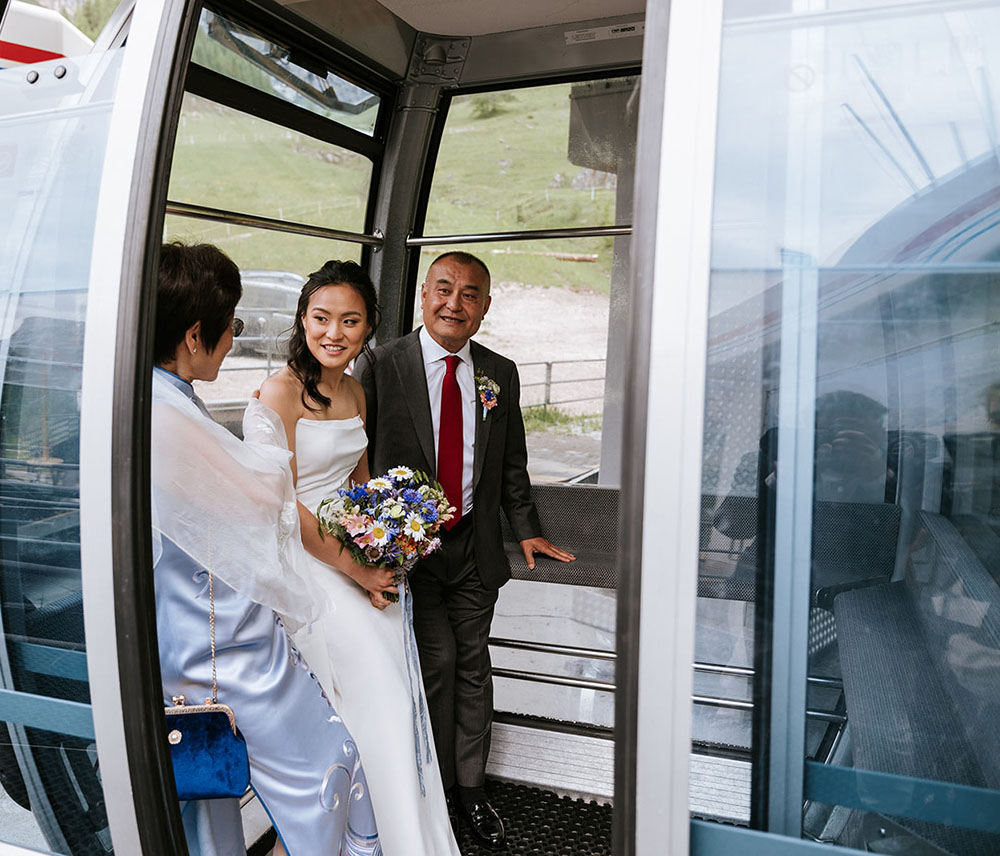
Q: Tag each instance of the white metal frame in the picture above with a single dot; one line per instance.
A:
(125, 185)
(678, 268)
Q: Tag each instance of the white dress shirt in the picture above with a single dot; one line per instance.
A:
(435, 368)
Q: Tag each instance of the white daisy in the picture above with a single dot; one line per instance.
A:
(379, 484)
(401, 473)
(380, 535)
(414, 527)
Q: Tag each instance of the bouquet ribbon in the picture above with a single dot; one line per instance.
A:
(419, 706)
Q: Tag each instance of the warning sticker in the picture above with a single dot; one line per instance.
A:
(599, 34)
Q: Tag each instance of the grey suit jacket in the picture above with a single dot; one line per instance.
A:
(400, 431)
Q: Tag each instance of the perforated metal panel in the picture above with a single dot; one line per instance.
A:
(582, 519)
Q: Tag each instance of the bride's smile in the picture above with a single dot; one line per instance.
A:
(335, 326)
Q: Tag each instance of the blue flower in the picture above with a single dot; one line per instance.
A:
(429, 512)
(357, 494)
(411, 496)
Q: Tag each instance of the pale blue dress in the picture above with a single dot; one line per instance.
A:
(303, 761)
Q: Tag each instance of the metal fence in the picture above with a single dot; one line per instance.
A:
(549, 381)
(268, 356)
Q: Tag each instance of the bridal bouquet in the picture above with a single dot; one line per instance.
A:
(388, 522)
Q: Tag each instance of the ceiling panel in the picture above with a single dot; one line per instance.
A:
(477, 17)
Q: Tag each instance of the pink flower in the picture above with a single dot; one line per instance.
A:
(357, 524)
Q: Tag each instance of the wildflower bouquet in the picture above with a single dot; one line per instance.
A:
(388, 522)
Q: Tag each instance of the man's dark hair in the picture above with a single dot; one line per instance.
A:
(463, 258)
(196, 283)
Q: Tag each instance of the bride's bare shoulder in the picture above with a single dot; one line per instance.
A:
(282, 391)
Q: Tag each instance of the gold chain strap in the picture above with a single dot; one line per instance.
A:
(211, 625)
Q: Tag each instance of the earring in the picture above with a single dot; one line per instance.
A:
(194, 350)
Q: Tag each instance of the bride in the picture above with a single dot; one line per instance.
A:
(356, 650)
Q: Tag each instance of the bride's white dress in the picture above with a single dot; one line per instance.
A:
(356, 652)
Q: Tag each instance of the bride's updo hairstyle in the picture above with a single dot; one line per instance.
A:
(300, 359)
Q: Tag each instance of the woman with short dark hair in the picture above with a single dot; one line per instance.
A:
(226, 542)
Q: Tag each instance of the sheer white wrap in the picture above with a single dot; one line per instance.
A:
(230, 505)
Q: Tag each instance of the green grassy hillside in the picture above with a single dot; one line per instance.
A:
(503, 165)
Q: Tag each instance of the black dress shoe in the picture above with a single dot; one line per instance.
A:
(485, 823)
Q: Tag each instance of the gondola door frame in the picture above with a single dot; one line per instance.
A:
(116, 539)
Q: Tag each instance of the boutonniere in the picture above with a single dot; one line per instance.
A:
(489, 391)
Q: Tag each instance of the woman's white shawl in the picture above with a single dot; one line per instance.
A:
(230, 505)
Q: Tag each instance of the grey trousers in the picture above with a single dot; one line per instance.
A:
(452, 613)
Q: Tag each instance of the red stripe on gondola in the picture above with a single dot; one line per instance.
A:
(22, 53)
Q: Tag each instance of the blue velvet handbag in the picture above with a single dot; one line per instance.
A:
(209, 754)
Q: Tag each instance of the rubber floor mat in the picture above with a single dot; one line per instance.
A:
(541, 822)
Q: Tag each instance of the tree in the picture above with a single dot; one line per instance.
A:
(92, 15)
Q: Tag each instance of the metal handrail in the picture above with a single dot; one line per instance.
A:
(718, 669)
(747, 672)
(608, 686)
(548, 648)
(604, 654)
(521, 235)
(726, 703)
(558, 680)
(221, 215)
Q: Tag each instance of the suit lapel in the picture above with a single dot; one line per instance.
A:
(409, 363)
(483, 365)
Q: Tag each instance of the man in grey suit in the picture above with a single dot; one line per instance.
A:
(427, 410)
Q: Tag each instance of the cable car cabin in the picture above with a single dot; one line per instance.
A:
(746, 259)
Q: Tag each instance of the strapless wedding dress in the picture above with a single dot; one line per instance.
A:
(356, 652)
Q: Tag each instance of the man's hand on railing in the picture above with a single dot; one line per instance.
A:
(546, 548)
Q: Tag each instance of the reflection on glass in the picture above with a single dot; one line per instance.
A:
(237, 162)
(273, 267)
(32, 34)
(50, 172)
(551, 313)
(854, 315)
(245, 55)
(538, 158)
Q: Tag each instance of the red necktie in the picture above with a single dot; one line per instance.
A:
(450, 439)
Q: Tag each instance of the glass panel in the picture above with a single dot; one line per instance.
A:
(51, 160)
(32, 34)
(234, 161)
(576, 616)
(852, 408)
(273, 267)
(528, 159)
(557, 312)
(538, 158)
(245, 55)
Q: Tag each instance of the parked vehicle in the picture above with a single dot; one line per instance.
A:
(267, 309)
